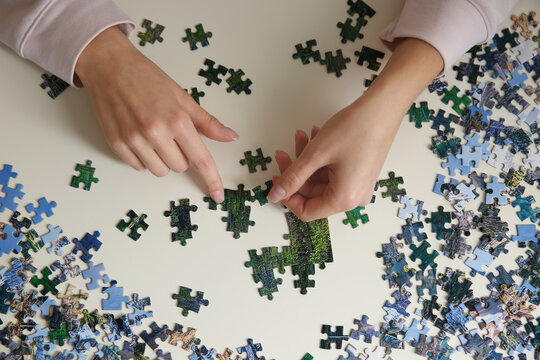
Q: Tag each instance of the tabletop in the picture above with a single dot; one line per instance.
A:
(355, 269)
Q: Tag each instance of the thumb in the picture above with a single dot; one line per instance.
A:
(295, 176)
(211, 127)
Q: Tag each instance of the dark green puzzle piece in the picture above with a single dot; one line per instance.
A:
(261, 195)
(238, 212)
(263, 270)
(419, 115)
(181, 218)
(392, 187)
(199, 36)
(437, 220)
(189, 303)
(86, 176)
(134, 223)
(420, 252)
(48, 284)
(355, 215)
(253, 161)
(152, 34)
(59, 334)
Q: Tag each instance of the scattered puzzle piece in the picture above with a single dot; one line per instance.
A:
(371, 56)
(44, 208)
(355, 215)
(189, 303)
(253, 161)
(134, 223)
(199, 36)
(181, 218)
(86, 176)
(152, 34)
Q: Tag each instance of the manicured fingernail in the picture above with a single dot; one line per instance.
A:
(230, 133)
(276, 194)
(217, 196)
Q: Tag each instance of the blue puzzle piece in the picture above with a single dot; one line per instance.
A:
(44, 306)
(8, 201)
(399, 274)
(438, 188)
(351, 351)
(526, 233)
(401, 304)
(11, 242)
(51, 236)
(494, 191)
(456, 319)
(474, 142)
(364, 329)
(483, 258)
(94, 274)
(453, 163)
(44, 207)
(251, 350)
(517, 78)
(504, 278)
(202, 353)
(87, 243)
(139, 313)
(413, 332)
(13, 277)
(116, 297)
(6, 174)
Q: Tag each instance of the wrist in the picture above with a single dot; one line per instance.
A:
(101, 53)
(412, 66)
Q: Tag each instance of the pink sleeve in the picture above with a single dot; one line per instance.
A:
(452, 27)
(53, 33)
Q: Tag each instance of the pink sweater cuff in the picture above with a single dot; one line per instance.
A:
(64, 28)
(451, 27)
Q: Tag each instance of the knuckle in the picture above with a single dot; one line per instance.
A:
(131, 137)
(180, 168)
(291, 179)
(117, 145)
(152, 131)
(364, 199)
(160, 172)
(202, 163)
(177, 122)
(212, 121)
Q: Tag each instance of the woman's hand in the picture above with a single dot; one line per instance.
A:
(337, 170)
(148, 119)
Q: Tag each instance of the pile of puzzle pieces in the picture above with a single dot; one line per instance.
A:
(47, 323)
(503, 323)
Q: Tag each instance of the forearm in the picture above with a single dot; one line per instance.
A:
(412, 66)
(52, 33)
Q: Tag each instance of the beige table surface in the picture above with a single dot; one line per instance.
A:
(44, 139)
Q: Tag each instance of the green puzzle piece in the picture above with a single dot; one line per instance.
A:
(86, 176)
(238, 212)
(354, 215)
(60, 334)
(134, 223)
(253, 161)
(189, 303)
(48, 284)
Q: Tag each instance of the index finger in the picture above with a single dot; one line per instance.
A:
(199, 156)
(309, 209)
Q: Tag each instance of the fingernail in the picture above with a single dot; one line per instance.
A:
(217, 196)
(230, 133)
(276, 194)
